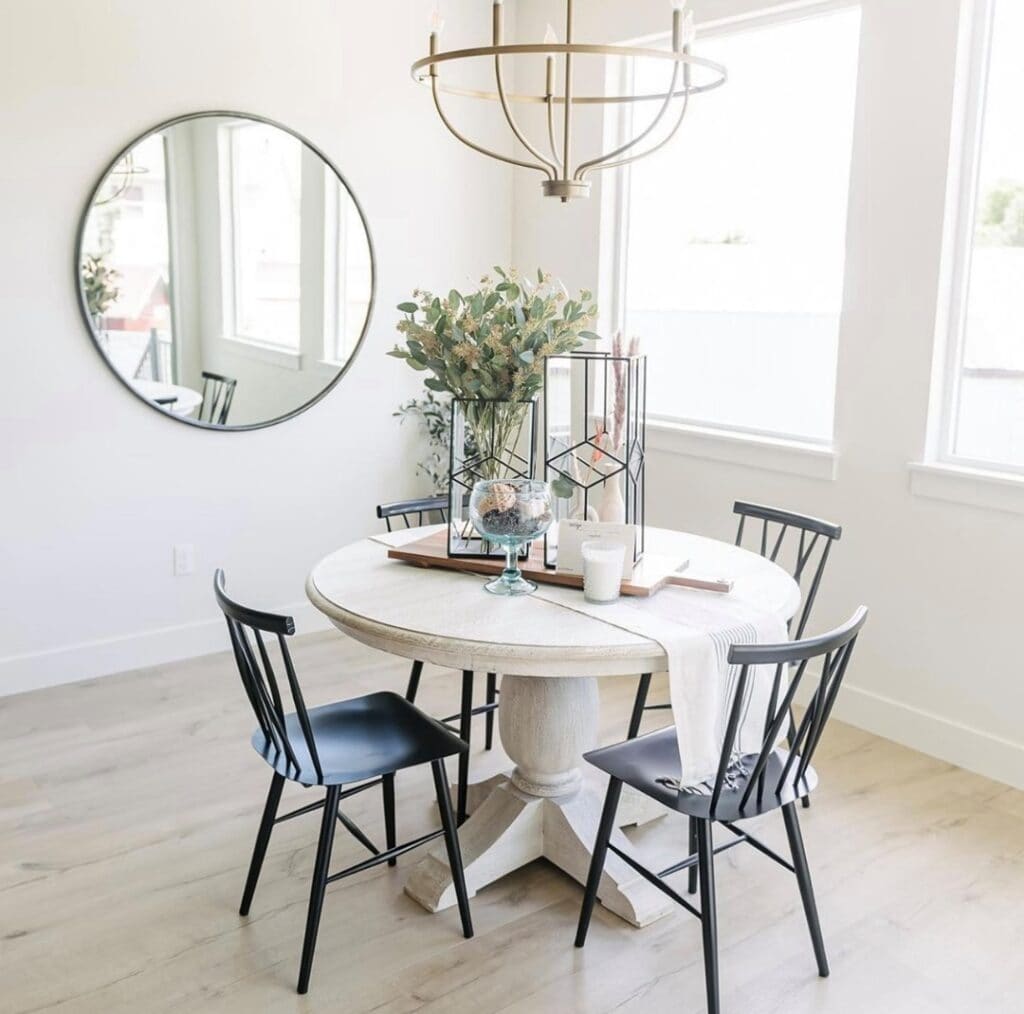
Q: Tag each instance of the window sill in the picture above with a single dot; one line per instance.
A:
(814, 461)
(274, 355)
(976, 487)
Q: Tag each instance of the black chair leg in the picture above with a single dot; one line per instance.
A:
(319, 885)
(492, 697)
(414, 682)
(604, 832)
(691, 874)
(639, 704)
(387, 786)
(262, 839)
(451, 840)
(803, 877)
(709, 913)
(465, 730)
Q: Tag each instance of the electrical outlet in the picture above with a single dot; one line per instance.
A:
(184, 559)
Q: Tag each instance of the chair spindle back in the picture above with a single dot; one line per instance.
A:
(815, 541)
(218, 393)
(835, 648)
(246, 628)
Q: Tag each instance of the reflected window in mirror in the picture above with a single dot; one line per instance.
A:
(224, 244)
(261, 184)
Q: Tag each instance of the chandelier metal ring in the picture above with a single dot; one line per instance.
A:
(544, 49)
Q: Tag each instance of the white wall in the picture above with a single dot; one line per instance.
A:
(97, 487)
(938, 665)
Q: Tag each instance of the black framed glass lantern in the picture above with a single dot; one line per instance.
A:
(595, 411)
(489, 440)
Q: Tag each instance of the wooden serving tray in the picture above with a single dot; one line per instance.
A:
(651, 574)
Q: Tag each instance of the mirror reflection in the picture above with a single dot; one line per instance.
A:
(226, 271)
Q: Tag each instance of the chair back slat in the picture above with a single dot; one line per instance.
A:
(778, 542)
(250, 690)
(773, 727)
(729, 740)
(815, 540)
(834, 649)
(300, 706)
(261, 683)
(265, 682)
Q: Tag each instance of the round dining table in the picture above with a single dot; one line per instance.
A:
(550, 658)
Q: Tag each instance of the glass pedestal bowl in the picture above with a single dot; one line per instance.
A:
(510, 513)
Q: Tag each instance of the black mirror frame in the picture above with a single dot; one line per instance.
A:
(84, 306)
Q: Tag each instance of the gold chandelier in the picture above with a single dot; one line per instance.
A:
(565, 178)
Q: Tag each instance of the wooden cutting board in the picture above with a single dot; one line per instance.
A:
(651, 574)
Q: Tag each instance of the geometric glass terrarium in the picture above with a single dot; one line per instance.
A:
(489, 440)
(595, 411)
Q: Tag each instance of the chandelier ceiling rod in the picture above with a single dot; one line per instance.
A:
(561, 180)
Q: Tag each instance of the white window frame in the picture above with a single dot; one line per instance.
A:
(962, 218)
(740, 445)
(276, 353)
(942, 474)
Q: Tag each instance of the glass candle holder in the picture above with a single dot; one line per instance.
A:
(602, 570)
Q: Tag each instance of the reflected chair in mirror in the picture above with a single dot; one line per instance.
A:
(416, 513)
(783, 537)
(346, 748)
(746, 786)
(218, 393)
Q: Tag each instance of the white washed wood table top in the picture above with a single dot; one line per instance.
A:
(445, 617)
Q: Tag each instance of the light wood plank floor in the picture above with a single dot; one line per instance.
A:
(128, 808)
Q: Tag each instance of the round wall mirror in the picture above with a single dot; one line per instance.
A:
(225, 270)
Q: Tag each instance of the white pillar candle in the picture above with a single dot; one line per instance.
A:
(602, 570)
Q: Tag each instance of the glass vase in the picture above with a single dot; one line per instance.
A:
(489, 440)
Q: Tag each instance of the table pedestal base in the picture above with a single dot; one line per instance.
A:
(544, 808)
(511, 828)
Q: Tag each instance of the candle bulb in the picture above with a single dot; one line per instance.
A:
(498, 22)
(689, 30)
(436, 28)
(679, 15)
(549, 38)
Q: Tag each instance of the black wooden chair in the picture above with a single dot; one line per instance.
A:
(743, 787)
(360, 743)
(806, 550)
(415, 513)
(218, 393)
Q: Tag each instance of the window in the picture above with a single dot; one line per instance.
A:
(127, 232)
(982, 415)
(265, 175)
(347, 272)
(732, 246)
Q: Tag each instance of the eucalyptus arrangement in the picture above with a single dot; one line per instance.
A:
(487, 349)
(99, 283)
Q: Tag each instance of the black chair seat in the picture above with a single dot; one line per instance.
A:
(360, 738)
(644, 761)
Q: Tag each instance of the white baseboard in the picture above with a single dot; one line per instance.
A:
(88, 659)
(949, 740)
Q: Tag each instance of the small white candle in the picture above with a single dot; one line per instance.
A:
(602, 570)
